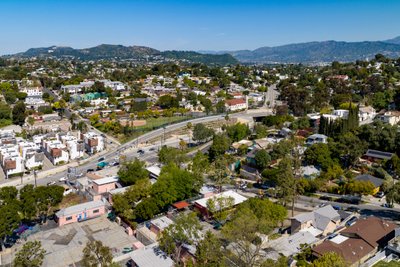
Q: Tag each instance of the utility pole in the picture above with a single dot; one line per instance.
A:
(35, 176)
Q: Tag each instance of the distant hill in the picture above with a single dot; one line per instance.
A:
(315, 52)
(107, 51)
(395, 40)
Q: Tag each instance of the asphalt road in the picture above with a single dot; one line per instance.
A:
(128, 149)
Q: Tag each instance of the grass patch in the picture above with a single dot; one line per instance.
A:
(71, 200)
(274, 236)
(387, 264)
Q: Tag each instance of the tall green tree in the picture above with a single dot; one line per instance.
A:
(209, 252)
(132, 171)
(18, 113)
(220, 145)
(185, 231)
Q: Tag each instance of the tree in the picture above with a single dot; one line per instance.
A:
(31, 121)
(167, 101)
(96, 254)
(218, 207)
(131, 172)
(220, 107)
(262, 159)
(47, 197)
(330, 259)
(209, 252)
(220, 172)
(18, 113)
(201, 133)
(238, 131)
(189, 127)
(220, 145)
(261, 130)
(30, 255)
(200, 164)
(319, 155)
(168, 155)
(182, 144)
(185, 231)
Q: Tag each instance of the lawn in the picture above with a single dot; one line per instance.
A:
(387, 264)
(152, 124)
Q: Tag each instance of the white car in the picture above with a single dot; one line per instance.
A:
(62, 179)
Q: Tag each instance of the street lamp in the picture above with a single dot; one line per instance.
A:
(35, 176)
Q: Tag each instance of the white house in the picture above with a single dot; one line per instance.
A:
(317, 139)
(75, 147)
(55, 151)
(391, 117)
(366, 114)
(71, 89)
(235, 104)
(10, 159)
(99, 102)
(31, 155)
(32, 91)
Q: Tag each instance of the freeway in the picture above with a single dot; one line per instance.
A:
(128, 149)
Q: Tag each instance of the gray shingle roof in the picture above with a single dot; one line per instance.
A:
(366, 177)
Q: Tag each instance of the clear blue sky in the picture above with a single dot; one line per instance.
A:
(193, 24)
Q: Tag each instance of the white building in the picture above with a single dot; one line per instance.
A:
(115, 85)
(75, 147)
(391, 117)
(31, 155)
(71, 89)
(366, 114)
(32, 91)
(11, 160)
(99, 102)
(55, 151)
(93, 142)
(235, 104)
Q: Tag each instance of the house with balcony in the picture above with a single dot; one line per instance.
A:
(76, 147)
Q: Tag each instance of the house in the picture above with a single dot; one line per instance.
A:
(366, 114)
(75, 147)
(360, 241)
(159, 224)
(291, 245)
(150, 256)
(81, 212)
(31, 155)
(377, 182)
(376, 155)
(317, 139)
(390, 117)
(324, 220)
(251, 156)
(235, 104)
(93, 142)
(309, 172)
(154, 171)
(10, 160)
(237, 145)
(104, 185)
(201, 204)
(55, 151)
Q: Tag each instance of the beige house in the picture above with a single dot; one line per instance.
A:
(322, 221)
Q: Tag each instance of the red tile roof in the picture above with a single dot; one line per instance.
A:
(233, 102)
(181, 205)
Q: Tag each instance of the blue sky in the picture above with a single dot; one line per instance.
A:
(192, 24)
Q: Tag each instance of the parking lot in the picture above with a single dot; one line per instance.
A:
(64, 244)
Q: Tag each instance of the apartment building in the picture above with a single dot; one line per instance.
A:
(55, 150)
(10, 159)
(93, 142)
(75, 147)
(31, 154)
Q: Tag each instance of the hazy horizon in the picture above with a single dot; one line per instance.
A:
(199, 25)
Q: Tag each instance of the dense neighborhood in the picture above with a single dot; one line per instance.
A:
(125, 163)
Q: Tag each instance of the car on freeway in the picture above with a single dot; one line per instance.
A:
(152, 149)
(51, 183)
(101, 159)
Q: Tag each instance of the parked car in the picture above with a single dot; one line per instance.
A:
(351, 221)
(63, 179)
(140, 151)
(89, 170)
(386, 205)
(327, 198)
(101, 159)
(51, 183)
(337, 207)
(380, 194)
(353, 209)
